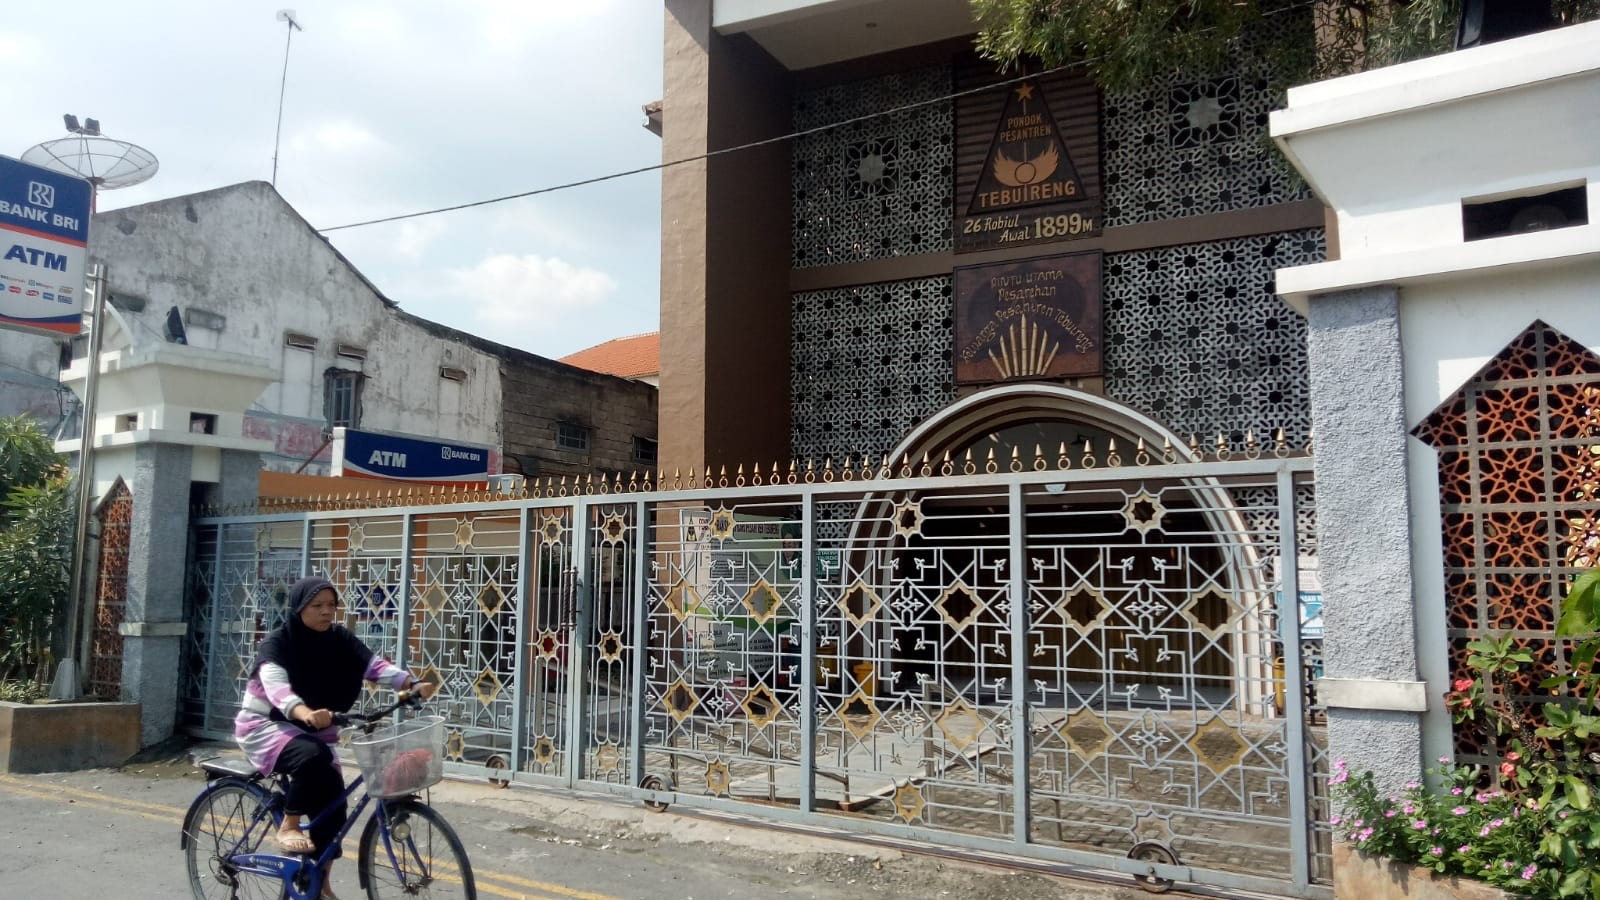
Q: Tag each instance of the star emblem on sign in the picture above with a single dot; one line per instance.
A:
(1025, 92)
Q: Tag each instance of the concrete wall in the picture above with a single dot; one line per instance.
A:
(65, 737)
(29, 364)
(244, 254)
(541, 394)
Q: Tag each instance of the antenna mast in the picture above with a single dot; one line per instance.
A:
(284, 15)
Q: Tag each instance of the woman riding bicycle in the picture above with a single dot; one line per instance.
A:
(307, 670)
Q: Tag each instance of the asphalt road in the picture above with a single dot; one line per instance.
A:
(115, 834)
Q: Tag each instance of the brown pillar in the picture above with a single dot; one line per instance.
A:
(724, 249)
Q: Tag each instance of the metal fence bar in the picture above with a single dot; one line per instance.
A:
(1021, 830)
(519, 656)
(1294, 694)
(1070, 477)
(403, 602)
(808, 656)
(211, 630)
(643, 522)
(578, 640)
(305, 548)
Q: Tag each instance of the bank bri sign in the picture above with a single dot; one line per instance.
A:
(44, 248)
(364, 454)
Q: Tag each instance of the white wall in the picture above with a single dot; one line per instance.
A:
(243, 253)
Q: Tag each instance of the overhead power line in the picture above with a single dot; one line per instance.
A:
(752, 145)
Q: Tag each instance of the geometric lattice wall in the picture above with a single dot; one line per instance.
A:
(877, 188)
(1197, 338)
(1519, 499)
(1185, 145)
(867, 363)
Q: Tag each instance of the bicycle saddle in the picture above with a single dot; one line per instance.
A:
(220, 766)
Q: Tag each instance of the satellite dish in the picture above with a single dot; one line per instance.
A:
(104, 162)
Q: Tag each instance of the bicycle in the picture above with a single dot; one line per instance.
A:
(406, 849)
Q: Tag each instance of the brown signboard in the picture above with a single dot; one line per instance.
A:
(1028, 320)
(1027, 159)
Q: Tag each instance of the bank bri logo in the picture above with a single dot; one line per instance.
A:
(40, 194)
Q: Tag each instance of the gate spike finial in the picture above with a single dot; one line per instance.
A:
(677, 479)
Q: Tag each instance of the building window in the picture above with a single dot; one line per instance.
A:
(299, 341)
(451, 373)
(572, 436)
(644, 450)
(341, 397)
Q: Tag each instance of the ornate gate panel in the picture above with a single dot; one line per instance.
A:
(1072, 659)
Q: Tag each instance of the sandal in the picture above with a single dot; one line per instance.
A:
(295, 843)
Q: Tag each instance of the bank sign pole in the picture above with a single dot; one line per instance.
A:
(44, 255)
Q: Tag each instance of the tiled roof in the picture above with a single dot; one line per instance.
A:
(625, 357)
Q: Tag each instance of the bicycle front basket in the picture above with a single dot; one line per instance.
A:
(401, 759)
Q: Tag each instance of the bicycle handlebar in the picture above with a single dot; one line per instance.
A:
(370, 720)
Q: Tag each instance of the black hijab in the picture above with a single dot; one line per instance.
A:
(325, 668)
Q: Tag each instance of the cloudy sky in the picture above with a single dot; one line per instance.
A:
(392, 106)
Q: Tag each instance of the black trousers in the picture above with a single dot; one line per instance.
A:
(314, 783)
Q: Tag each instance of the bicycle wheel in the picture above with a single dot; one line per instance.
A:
(418, 855)
(228, 818)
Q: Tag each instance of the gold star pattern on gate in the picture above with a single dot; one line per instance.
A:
(1218, 745)
(961, 724)
(959, 606)
(614, 529)
(908, 802)
(1086, 733)
(357, 538)
(1143, 512)
(760, 706)
(859, 603)
(607, 758)
(908, 519)
(464, 534)
(454, 745)
(718, 778)
(680, 701)
(860, 723)
(434, 598)
(551, 529)
(682, 599)
(544, 751)
(548, 644)
(762, 601)
(722, 522)
(1083, 607)
(491, 598)
(1209, 611)
(487, 686)
(610, 646)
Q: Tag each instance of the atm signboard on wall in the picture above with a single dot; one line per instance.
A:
(44, 248)
(366, 454)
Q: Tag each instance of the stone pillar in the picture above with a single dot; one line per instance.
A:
(240, 481)
(1372, 690)
(154, 626)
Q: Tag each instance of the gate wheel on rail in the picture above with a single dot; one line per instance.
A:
(497, 764)
(1156, 852)
(655, 783)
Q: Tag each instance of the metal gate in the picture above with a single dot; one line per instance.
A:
(1075, 657)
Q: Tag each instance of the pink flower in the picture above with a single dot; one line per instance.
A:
(1334, 820)
(1444, 760)
(1484, 831)
(1412, 785)
(1529, 872)
(1464, 848)
(1496, 823)
(1365, 834)
(1462, 684)
(1339, 777)
(1408, 809)
(1419, 825)
(1563, 814)
(1459, 811)
(1388, 814)
(1437, 851)
(1457, 791)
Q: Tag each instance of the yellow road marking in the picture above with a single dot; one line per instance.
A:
(174, 815)
(95, 805)
(94, 795)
